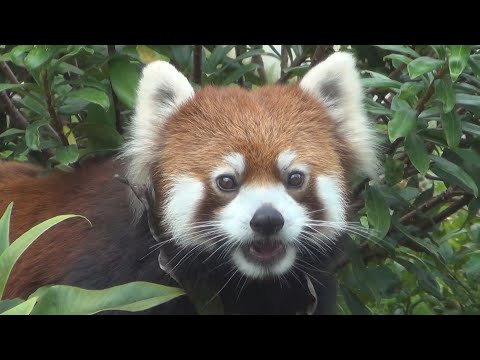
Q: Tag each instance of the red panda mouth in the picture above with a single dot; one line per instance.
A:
(265, 252)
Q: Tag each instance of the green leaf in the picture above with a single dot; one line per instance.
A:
(458, 59)
(475, 67)
(402, 58)
(425, 279)
(25, 308)
(410, 89)
(380, 83)
(148, 55)
(470, 128)
(67, 155)
(423, 65)
(378, 212)
(39, 55)
(92, 95)
(393, 171)
(32, 135)
(17, 54)
(446, 169)
(10, 256)
(5, 228)
(439, 50)
(124, 76)
(470, 102)
(69, 300)
(426, 244)
(445, 93)
(353, 302)
(472, 268)
(236, 74)
(402, 49)
(11, 86)
(11, 131)
(402, 124)
(217, 55)
(8, 304)
(452, 127)
(417, 152)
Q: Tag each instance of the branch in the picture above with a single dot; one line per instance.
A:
(319, 55)
(257, 59)
(452, 209)
(53, 112)
(239, 50)
(197, 64)
(17, 118)
(297, 62)
(8, 73)
(118, 122)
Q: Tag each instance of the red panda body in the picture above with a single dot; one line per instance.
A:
(250, 189)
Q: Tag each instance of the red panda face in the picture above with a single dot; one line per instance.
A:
(258, 177)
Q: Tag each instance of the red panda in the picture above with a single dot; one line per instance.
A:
(251, 191)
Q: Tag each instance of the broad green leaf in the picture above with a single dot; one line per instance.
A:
(471, 128)
(402, 124)
(92, 95)
(443, 167)
(236, 74)
(73, 50)
(39, 55)
(32, 135)
(410, 89)
(470, 102)
(25, 308)
(475, 66)
(69, 300)
(393, 171)
(378, 212)
(11, 86)
(100, 136)
(402, 49)
(354, 303)
(17, 54)
(381, 279)
(423, 65)
(452, 127)
(417, 153)
(425, 279)
(5, 228)
(124, 76)
(439, 50)
(444, 92)
(10, 256)
(402, 58)
(73, 105)
(36, 105)
(11, 131)
(148, 55)
(424, 243)
(215, 58)
(249, 53)
(67, 155)
(458, 59)
(472, 268)
(380, 83)
(8, 304)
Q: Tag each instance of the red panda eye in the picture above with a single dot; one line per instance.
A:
(295, 179)
(226, 183)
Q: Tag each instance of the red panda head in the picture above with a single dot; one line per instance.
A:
(257, 176)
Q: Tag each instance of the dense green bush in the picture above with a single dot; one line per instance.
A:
(419, 252)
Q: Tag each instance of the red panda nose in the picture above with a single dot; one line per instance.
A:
(267, 220)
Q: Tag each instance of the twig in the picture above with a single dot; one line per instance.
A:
(296, 62)
(257, 59)
(197, 64)
(8, 73)
(17, 118)
(452, 209)
(239, 50)
(118, 122)
(53, 112)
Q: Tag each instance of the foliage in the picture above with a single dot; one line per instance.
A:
(68, 300)
(421, 254)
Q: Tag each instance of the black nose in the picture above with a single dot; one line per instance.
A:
(266, 220)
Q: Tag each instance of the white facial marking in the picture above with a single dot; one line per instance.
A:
(236, 161)
(332, 197)
(182, 202)
(286, 159)
(235, 220)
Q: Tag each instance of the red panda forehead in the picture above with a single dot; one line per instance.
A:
(259, 125)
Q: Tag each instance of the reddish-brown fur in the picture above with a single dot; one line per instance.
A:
(39, 198)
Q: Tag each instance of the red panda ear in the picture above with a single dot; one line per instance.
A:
(335, 82)
(162, 89)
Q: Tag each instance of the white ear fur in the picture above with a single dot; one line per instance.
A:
(162, 89)
(336, 83)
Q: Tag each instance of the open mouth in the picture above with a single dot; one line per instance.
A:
(267, 252)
